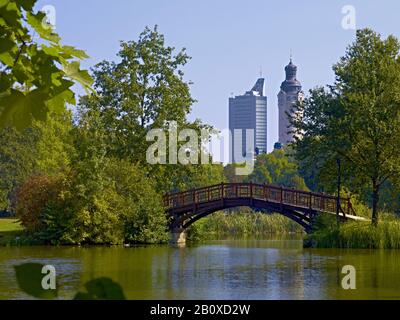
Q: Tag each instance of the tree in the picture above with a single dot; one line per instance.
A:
(36, 75)
(43, 148)
(357, 119)
(17, 162)
(144, 90)
(277, 168)
(230, 173)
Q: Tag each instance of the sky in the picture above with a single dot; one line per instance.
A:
(229, 41)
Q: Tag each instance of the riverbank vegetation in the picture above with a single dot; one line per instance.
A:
(355, 234)
(242, 223)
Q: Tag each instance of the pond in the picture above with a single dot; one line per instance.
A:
(220, 269)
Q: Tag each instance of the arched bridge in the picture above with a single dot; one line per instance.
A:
(187, 207)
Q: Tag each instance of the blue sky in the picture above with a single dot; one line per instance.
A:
(228, 40)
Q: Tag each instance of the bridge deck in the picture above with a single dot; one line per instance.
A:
(286, 196)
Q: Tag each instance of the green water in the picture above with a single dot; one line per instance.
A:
(223, 269)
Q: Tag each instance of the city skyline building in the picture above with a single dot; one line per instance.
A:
(248, 111)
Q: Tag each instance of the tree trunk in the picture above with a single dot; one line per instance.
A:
(375, 200)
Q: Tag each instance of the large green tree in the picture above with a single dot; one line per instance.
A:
(145, 89)
(357, 119)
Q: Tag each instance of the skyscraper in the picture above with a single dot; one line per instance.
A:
(248, 111)
(289, 95)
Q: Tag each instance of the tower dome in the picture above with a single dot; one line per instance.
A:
(291, 84)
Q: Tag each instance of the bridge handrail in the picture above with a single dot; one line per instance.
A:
(346, 206)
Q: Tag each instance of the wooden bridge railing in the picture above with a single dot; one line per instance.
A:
(297, 198)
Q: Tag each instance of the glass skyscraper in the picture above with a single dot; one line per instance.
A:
(248, 111)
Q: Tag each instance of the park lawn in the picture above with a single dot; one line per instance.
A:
(9, 229)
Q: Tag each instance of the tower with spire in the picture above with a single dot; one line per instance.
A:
(289, 94)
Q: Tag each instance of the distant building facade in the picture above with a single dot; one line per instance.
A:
(248, 111)
(289, 94)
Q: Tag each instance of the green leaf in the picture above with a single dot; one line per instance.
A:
(38, 22)
(27, 4)
(72, 51)
(7, 51)
(51, 50)
(19, 109)
(57, 103)
(29, 278)
(11, 14)
(7, 59)
(101, 289)
(6, 45)
(20, 73)
(5, 83)
(36, 100)
(3, 3)
(73, 71)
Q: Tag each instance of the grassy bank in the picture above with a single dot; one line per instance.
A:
(9, 230)
(241, 224)
(354, 234)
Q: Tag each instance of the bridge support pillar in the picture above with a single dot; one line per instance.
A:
(178, 237)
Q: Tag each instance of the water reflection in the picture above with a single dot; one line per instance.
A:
(223, 269)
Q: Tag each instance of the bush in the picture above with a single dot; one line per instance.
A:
(33, 197)
(123, 207)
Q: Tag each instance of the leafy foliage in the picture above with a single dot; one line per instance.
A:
(17, 162)
(36, 75)
(277, 168)
(144, 90)
(32, 199)
(44, 148)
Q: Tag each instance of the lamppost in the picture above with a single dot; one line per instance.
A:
(338, 192)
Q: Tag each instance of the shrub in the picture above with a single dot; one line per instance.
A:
(33, 197)
(122, 205)
(139, 204)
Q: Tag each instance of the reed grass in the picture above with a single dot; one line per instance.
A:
(242, 224)
(356, 234)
